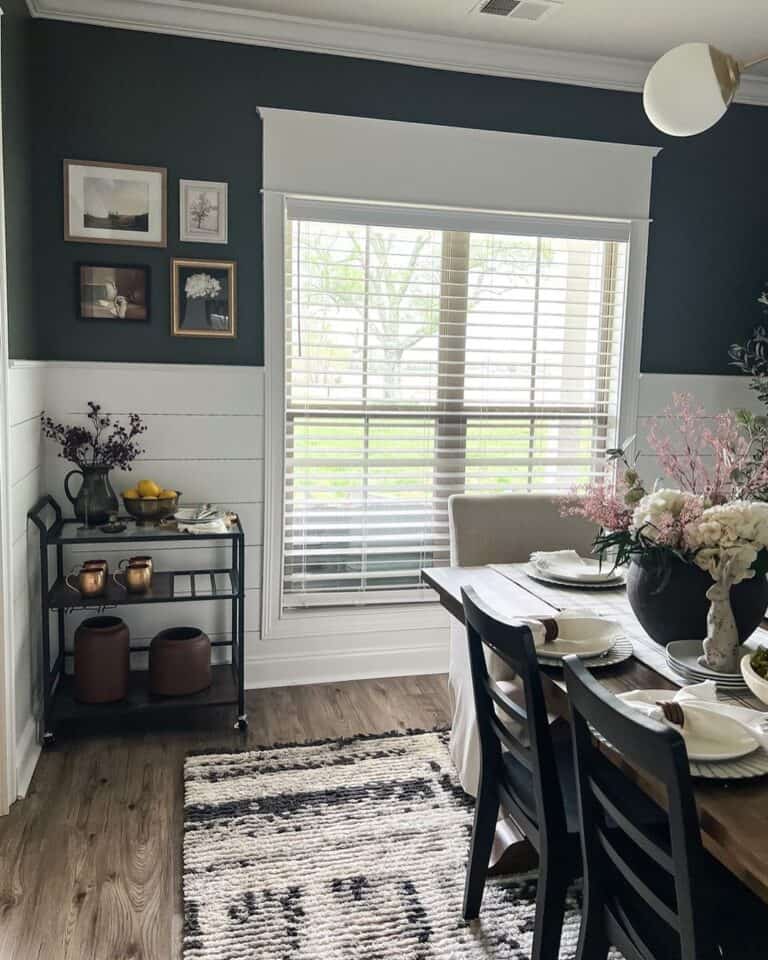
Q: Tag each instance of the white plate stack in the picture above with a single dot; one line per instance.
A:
(683, 658)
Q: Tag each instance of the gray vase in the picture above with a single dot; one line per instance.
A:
(671, 603)
(95, 501)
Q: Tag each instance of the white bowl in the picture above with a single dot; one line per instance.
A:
(757, 684)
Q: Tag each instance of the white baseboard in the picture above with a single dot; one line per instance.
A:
(27, 755)
(337, 666)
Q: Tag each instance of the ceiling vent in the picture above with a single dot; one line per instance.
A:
(518, 9)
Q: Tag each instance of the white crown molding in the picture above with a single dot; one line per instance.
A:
(235, 25)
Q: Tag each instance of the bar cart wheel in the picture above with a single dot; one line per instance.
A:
(241, 724)
(48, 739)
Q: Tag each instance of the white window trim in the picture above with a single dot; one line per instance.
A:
(280, 624)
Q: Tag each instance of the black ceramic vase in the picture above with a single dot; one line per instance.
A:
(671, 604)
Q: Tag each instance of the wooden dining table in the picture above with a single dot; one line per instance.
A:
(733, 813)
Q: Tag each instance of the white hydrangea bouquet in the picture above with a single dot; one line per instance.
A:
(202, 286)
(715, 519)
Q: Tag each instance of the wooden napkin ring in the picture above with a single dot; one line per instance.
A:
(551, 629)
(673, 712)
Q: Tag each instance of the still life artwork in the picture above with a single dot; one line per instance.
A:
(203, 211)
(114, 203)
(204, 298)
(113, 292)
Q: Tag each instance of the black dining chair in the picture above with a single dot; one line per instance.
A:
(651, 891)
(523, 769)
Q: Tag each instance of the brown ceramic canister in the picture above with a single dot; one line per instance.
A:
(179, 662)
(101, 660)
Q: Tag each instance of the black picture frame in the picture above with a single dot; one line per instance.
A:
(100, 309)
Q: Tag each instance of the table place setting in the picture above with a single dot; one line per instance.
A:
(566, 568)
(596, 640)
(724, 741)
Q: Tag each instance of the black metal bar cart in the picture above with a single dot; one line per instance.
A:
(175, 586)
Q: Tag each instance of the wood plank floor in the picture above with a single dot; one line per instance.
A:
(90, 862)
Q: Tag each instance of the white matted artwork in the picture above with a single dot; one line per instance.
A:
(202, 211)
(115, 203)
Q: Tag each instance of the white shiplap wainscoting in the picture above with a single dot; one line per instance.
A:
(26, 388)
(715, 394)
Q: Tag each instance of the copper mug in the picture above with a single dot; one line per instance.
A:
(133, 561)
(137, 577)
(91, 581)
(96, 565)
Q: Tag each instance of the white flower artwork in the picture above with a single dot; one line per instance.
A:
(203, 211)
(202, 286)
(204, 298)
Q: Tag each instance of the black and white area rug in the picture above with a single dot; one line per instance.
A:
(346, 850)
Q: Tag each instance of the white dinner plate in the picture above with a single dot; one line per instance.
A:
(583, 636)
(534, 574)
(710, 737)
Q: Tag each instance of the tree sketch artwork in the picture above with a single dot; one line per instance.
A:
(204, 212)
(203, 206)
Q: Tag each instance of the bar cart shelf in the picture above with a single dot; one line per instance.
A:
(225, 584)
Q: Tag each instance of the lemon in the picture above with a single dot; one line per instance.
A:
(166, 495)
(131, 494)
(148, 488)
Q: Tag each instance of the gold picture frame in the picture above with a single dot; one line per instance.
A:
(115, 203)
(204, 298)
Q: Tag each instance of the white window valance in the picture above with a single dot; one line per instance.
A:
(359, 158)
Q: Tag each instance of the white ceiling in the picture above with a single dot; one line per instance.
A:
(604, 43)
(639, 29)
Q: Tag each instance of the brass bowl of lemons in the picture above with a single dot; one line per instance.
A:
(148, 502)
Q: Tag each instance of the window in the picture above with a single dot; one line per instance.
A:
(428, 354)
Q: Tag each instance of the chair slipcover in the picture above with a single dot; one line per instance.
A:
(497, 529)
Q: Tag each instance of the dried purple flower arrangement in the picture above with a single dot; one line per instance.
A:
(93, 445)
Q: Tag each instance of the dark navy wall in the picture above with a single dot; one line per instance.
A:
(17, 155)
(187, 104)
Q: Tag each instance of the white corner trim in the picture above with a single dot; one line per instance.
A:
(28, 752)
(238, 25)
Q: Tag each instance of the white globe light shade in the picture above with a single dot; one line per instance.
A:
(689, 89)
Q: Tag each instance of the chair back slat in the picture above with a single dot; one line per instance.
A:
(519, 752)
(636, 873)
(621, 927)
(661, 909)
(512, 642)
(649, 845)
(513, 710)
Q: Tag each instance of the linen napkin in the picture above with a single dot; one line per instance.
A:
(214, 526)
(702, 696)
(547, 629)
(570, 566)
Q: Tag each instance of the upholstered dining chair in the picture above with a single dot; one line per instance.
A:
(652, 892)
(523, 771)
(503, 528)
